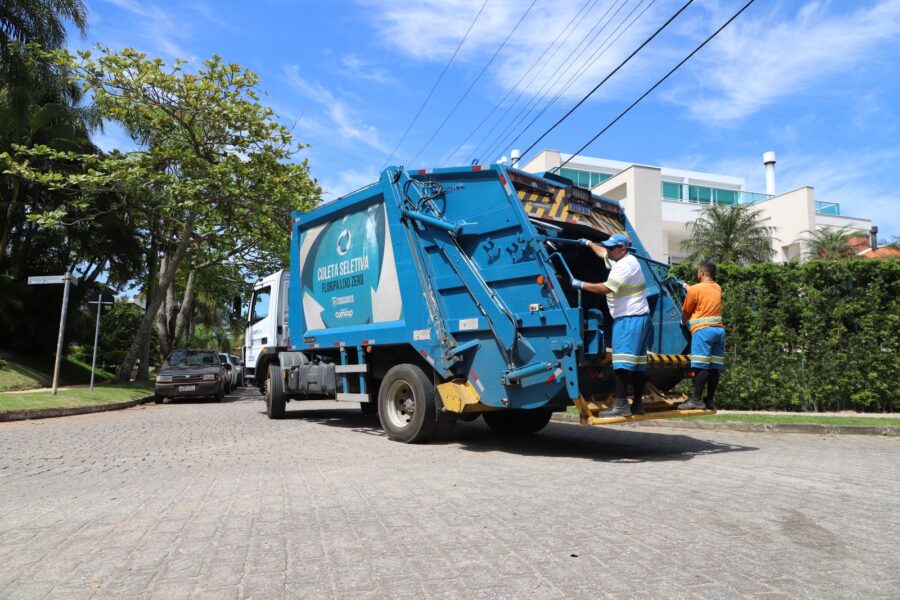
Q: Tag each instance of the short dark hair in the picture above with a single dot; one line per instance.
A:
(710, 269)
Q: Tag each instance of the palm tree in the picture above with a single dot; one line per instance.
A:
(40, 21)
(831, 243)
(729, 233)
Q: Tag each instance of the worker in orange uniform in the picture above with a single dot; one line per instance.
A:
(702, 311)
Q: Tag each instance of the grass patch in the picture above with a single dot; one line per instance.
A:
(29, 372)
(803, 419)
(798, 419)
(75, 397)
(16, 376)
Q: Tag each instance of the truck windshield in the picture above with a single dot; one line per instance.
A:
(260, 304)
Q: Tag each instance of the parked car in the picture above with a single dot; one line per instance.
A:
(191, 374)
(238, 369)
(230, 374)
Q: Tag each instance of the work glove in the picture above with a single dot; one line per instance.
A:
(584, 242)
(577, 284)
(681, 283)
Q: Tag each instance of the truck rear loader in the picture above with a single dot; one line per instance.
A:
(439, 295)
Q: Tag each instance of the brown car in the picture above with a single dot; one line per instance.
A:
(191, 374)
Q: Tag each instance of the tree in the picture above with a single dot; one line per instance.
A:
(729, 234)
(831, 243)
(213, 171)
(39, 21)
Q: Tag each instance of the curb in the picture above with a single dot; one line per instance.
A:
(47, 413)
(752, 427)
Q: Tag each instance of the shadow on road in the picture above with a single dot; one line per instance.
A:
(608, 444)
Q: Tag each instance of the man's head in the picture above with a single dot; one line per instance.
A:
(616, 246)
(706, 272)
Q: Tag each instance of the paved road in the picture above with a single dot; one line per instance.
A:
(199, 500)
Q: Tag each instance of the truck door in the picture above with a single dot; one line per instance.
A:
(261, 326)
(280, 305)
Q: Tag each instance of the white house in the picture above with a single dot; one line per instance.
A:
(661, 201)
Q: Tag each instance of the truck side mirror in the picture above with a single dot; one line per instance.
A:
(236, 308)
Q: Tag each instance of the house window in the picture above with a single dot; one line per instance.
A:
(671, 191)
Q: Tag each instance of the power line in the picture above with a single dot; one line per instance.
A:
(613, 72)
(590, 62)
(527, 72)
(551, 81)
(658, 83)
(434, 87)
(474, 81)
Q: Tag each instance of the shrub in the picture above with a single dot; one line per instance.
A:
(818, 336)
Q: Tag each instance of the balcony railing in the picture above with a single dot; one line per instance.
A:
(706, 195)
(828, 208)
(709, 195)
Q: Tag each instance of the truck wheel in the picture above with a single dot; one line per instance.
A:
(517, 422)
(275, 399)
(159, 399)
(406, 405)
(220, 396)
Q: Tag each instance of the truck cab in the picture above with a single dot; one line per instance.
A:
(268, 330)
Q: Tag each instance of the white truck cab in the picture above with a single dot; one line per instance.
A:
(267, 330)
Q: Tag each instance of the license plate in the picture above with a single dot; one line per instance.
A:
(187, 388)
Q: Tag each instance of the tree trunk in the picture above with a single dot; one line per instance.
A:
(7, 225)
(168, 277)
(187, 308)
(143, 373)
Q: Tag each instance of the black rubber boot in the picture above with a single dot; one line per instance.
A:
(637, 406)
(710, 403)
(619, 409)
(692, 404)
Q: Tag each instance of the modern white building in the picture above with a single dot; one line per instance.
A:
(661, 201)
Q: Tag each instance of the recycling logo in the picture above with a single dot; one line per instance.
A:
(343, 242)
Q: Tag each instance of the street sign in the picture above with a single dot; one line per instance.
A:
(101, 299)
(69, 280)
(104, 297)
(45, 279)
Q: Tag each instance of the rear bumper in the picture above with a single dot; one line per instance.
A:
(171, 390)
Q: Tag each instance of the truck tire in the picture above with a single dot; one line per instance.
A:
(406, 406)
(220, 395)
(275, 399)
(517, 422)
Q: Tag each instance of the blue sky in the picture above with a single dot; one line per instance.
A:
(816, 81)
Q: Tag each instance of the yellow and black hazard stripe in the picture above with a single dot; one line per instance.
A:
(674, 361)
(668, 360)
(555, 206)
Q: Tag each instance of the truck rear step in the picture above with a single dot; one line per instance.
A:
(656, 405)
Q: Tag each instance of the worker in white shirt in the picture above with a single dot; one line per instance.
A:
(626, 295)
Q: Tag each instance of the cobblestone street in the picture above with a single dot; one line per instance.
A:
(201, 500)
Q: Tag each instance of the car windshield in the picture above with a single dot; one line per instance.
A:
(234, 360)
(192, 358)
(223, 358)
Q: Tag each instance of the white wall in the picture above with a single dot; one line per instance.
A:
(638, 189)
(792, 215)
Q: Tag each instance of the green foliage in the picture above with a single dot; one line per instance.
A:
(818, 336)
(729, 234)
(831, 243)
(2, 364)
(212, 183)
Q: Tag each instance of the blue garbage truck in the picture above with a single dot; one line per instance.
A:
(439, 295)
